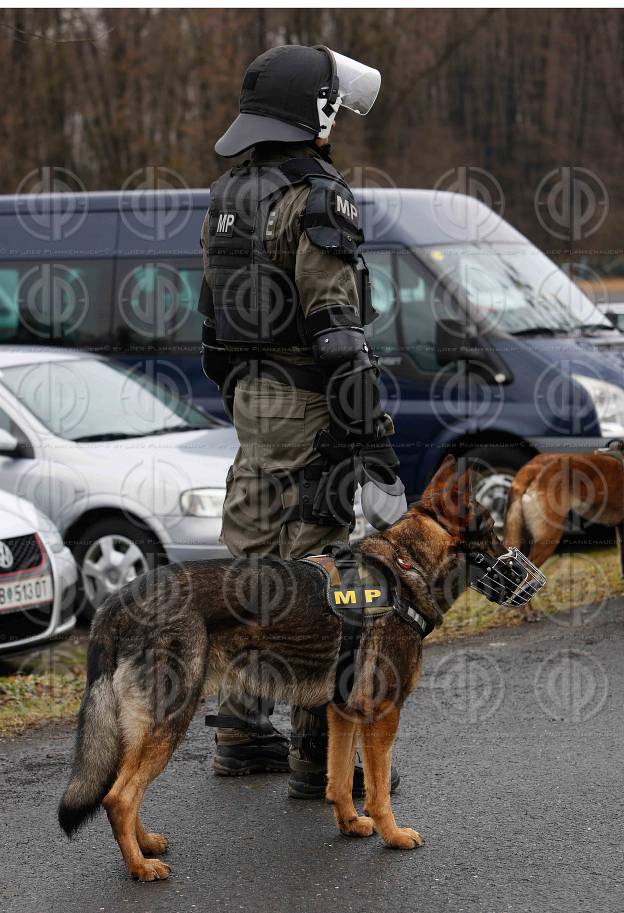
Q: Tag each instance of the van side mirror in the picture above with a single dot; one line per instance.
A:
(9, 444)
(457, 342)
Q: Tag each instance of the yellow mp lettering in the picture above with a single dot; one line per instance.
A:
(343, 598)
(370, 595)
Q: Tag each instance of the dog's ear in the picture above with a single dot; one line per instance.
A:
(446, 472)
(451, 500)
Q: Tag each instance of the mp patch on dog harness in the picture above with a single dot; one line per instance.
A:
(362, 589)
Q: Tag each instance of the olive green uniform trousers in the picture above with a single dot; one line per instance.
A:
(276, 426)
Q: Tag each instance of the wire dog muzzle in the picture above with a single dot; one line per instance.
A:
(509, 580)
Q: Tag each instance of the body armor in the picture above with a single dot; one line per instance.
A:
(253, 301)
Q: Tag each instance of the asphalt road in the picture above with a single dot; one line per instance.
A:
(510, 752)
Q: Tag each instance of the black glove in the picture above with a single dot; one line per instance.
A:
(380, 461)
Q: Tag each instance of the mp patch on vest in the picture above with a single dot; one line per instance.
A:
(225, 223)
(346, 208)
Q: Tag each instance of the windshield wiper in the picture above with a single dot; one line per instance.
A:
(540, 331)
(104, 436)
(173, 429)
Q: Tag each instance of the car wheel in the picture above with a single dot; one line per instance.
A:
(111, 553)
(494, 470)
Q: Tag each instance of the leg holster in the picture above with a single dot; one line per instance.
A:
(326, 493)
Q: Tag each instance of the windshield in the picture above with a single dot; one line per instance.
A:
(514, 288)
(89, 400)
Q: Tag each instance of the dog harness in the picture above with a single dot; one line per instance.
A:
(361, 590)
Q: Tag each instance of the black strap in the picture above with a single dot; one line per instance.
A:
(258, 724)
(408, 613)
(298, 169)
(302, 376)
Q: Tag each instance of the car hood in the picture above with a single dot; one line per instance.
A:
(601, 357)
(144, 474)
(19, 517)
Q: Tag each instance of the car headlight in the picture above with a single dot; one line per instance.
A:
(202, 502)
(608, 400)
(52, 539)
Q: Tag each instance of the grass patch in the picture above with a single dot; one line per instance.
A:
(575, 579)
(42, 686)
(47, 685)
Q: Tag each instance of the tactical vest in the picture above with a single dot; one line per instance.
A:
(255, 301)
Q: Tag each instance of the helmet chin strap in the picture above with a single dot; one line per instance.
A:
(327, 111)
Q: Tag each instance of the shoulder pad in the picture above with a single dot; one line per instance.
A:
(332, 220)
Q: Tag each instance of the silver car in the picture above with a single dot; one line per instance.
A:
(37, 577)
(131, 474)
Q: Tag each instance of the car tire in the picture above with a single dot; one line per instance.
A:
(494, 469)
(110, 553)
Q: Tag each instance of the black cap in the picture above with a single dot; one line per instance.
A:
(278, 101)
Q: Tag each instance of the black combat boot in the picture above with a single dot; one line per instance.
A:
(240, 753)
(248, 746)
(308, 769)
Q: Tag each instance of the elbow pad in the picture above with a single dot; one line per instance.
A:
(352, 386)
(337, 345)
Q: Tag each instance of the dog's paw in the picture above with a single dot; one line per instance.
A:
(358, 827)
(151, 870)
(154, 843)
(404, 838)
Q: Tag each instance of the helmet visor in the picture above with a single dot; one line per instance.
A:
(358, 85)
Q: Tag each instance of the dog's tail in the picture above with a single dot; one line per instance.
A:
(97, 742)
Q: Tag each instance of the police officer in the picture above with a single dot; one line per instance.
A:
(284, 300)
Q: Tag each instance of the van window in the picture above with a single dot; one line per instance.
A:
(382, 333)
(56, 303)
(156, 303)
(417, 310)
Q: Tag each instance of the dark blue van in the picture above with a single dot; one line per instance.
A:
(486, 347)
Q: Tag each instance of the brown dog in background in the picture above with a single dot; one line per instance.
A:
(150, 657)
(551, 485)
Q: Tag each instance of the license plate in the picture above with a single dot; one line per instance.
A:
(20, 594)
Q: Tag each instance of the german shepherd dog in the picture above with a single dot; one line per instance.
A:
(551, 485)
(148, 666)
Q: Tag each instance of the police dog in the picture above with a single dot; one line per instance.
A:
(551, 485)
(157, 644)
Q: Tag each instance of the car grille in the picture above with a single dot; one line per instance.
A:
(26, 551)
(25, 623)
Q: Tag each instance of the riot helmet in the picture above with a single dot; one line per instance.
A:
(292, 94)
